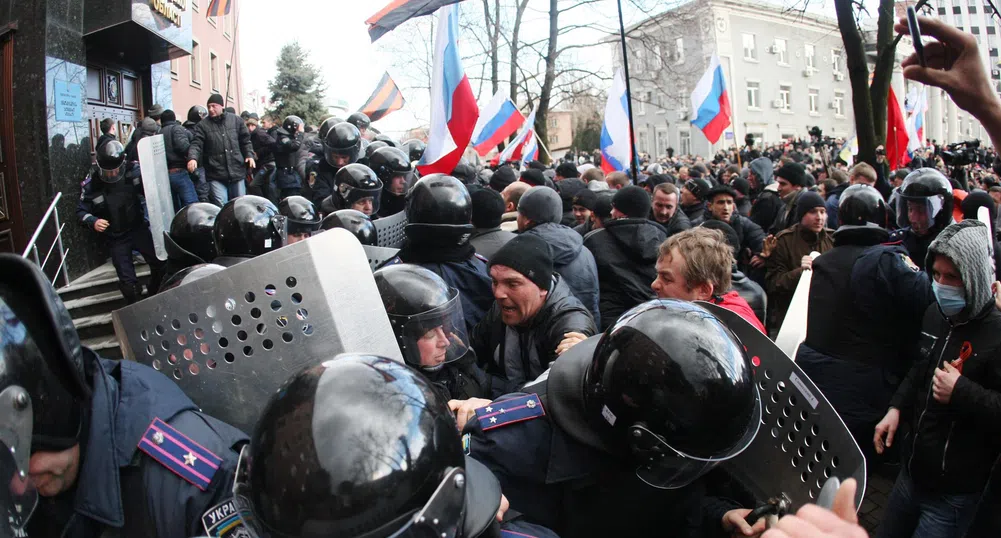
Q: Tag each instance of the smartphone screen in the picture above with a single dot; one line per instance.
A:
(912, 24)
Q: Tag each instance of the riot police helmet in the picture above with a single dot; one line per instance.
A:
(359, 120)
(111, 161)
(415, 149)
(326, 124)
(355, 222)
(374, 452)
(382, 137)
(190, 274)
(426, 315)
(371, 148)
(342, 144)
(249, 226)
(190, 240)
(292, 124)
(197, 113)
(670, 388)
(393, 167)
(359, 188)
(439, 203)
(861, 205)
(925, 201)
(301, 214)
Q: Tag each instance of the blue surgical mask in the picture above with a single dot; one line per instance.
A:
(952, 299)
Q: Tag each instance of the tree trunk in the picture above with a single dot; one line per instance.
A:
(858, 75)
(493, 27)
(542, 108)
(882, 72)
(514, 50)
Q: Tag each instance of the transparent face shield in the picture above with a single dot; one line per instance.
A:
(918, 212)
(112, 176)
(359, 199)
(18, 496)
(431, 339)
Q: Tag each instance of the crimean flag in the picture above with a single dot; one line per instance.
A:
(219, 8)
(385, 99)
(399, 11)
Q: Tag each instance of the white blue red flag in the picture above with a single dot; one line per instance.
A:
(524, 147)
(499, 120)
(616, 133)
(710, 102)
(916, 120)
(453, 106)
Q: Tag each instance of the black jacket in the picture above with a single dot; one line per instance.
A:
(122, 204)
(766, 209)
(176, 141)
(584, 229)
(625, 251)
(263, 144)
(220, 146)
(750, 235)
(318, 183)
(678, 223)
(750, 291)
(696, 213)
(285, 148)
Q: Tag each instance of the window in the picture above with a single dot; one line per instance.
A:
(785, 93)
(679, 51)
(956, 10)
(686, 142)
(554, 140)
(194, 62)
(839, 104)
(641, 142)
(814, 101)
(810, 53)
(750, 48)
(660, 103)
(173, 68)
(638, 55)
(991, 30)
(753, 94)
(836, 61)
(941, 11)
(781, 55)
(641, 105)
(214, 71)
(229, 85)
(553, 123)
(661, 142)
(972, 10)
(975, 30)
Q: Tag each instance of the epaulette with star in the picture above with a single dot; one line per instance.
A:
(179, 453)
(507, 412)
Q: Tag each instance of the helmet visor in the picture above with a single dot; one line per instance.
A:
(341, 157)
(361, 199)
(431, 339)
(279, 229)
(918, 211)
(112, 176)
(18, 496)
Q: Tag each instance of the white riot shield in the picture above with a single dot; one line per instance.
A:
(802, 440)
(231, 339)
(156, 185)
(793, 330)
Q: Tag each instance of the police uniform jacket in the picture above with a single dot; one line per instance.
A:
(152, 465)
(122, 203)
(916, 246)
(319, 182)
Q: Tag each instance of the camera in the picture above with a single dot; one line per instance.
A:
(964, 153)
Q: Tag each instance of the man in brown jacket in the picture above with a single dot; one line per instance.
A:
(791, 255)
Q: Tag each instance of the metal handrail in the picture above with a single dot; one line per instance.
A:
(32, 248)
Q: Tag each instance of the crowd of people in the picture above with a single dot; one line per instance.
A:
(556, 355)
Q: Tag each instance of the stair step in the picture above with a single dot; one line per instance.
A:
(98, 283)
(95, 326)
(95, 304)
(105, 346)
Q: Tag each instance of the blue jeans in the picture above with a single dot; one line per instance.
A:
(913, 513)
(222, 191)
(183, 189)
(201, 186)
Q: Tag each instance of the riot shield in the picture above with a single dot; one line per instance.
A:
(379, 255)
(793, 330)
(231, 339)
(156, 185)
(802, 441)
(390, 230)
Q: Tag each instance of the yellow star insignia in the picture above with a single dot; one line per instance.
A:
(190, 459)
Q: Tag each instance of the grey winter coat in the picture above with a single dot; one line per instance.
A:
(573, 262)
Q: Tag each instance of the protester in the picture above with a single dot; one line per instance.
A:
(583, 204)
(617, 180)
(488, 208)
(693, 195)
(665, 209)
(221, 145)
(176, 141)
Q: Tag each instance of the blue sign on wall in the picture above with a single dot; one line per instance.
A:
(69, 101)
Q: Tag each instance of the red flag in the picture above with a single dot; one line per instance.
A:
(218, 8)
(896, 133)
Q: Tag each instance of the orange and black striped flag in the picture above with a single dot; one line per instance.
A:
(385, 99)
(399, 11)
(219, 8)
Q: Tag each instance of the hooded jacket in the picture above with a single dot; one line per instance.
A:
(625, 251)
(572, 261)
(512, 356)
(831, 204)
(954, 446)
(784, 265)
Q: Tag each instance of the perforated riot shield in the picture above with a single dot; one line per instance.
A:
(379, 255)
(802, 441)
(231, 339)
(390, 230)
(156, 186)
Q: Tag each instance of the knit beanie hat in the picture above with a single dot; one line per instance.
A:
(603, 207)
(167, 116)
(215, 98)
(807, 201)
(586, 199)
(149, 126)
(488, 208)
(793, 173)
(567, 170)
(541, 205)
(731, 235)
(741, 185)
(633, 201)
(529, 255)
(502, 177)
(533, 177)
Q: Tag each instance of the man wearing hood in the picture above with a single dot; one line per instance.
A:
(625, 251)
(951, 397)
(767, 203)
(539, 214)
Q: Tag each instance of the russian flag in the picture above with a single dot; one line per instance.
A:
(453, 106)
(524, 147)
(498, 121)
(710, 102)
(916, 121)
(616, 133)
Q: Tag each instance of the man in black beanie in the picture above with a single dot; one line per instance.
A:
(221, 145)
(583, 204)
(625, 252)
(488, 238)
(502, 177)
(566, 170)
(791, 178)
(533, 309)
(176, 141)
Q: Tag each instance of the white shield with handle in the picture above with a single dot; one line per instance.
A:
(793, 330)
(156, 186)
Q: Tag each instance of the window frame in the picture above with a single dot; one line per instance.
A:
(195, 64)
(757, 94)
(754, 47)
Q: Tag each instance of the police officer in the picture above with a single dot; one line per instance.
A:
(112, 204)
(356, 187)
(426, 315)
(387, 139)
(613, 441)
(415, 149)
(341, 146)
(189, 241)
(303, 219)
(190, 274)
(370, 149)
(356, 222)
(864, 319)
(360, 120)
(438, 228)
(395, 170)
(287, 142)
(363, 446)
(196, 114)
(115, 447)
(924, 208)
(248, 226)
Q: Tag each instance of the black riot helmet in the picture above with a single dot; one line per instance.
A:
(387, 139)
(359, 120)
(301, 214)
(670, 388)
(415, 149)
(197, 113)
(292, 124)
(439, 206)
(356, 182)
(355, 222)
(326, 124)
(861, 205)
(930, 190)
(361, 446)
(389, 163)
(190, 274)
(190, 240)
(371, 148)
(249, 226)
(344, 140)
(111, 161)
(425, 313)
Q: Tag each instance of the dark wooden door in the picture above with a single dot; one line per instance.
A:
(12, 237)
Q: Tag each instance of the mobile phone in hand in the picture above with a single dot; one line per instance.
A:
(912, 25)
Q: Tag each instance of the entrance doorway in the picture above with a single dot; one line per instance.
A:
(112, 93)
(12, 238)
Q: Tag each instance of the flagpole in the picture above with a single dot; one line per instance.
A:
(544, 148)
(629, 95)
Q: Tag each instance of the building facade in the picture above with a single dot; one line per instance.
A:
(785, 73)
(559, 133)
(214, 63)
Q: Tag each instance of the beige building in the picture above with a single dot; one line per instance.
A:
(214, 60)
(560, 132)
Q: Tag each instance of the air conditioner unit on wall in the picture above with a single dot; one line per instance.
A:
(808, 72)
(773, 49)
(777, 103)
(839, 76)
(831, 105)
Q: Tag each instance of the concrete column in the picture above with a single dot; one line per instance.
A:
(933, 119)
